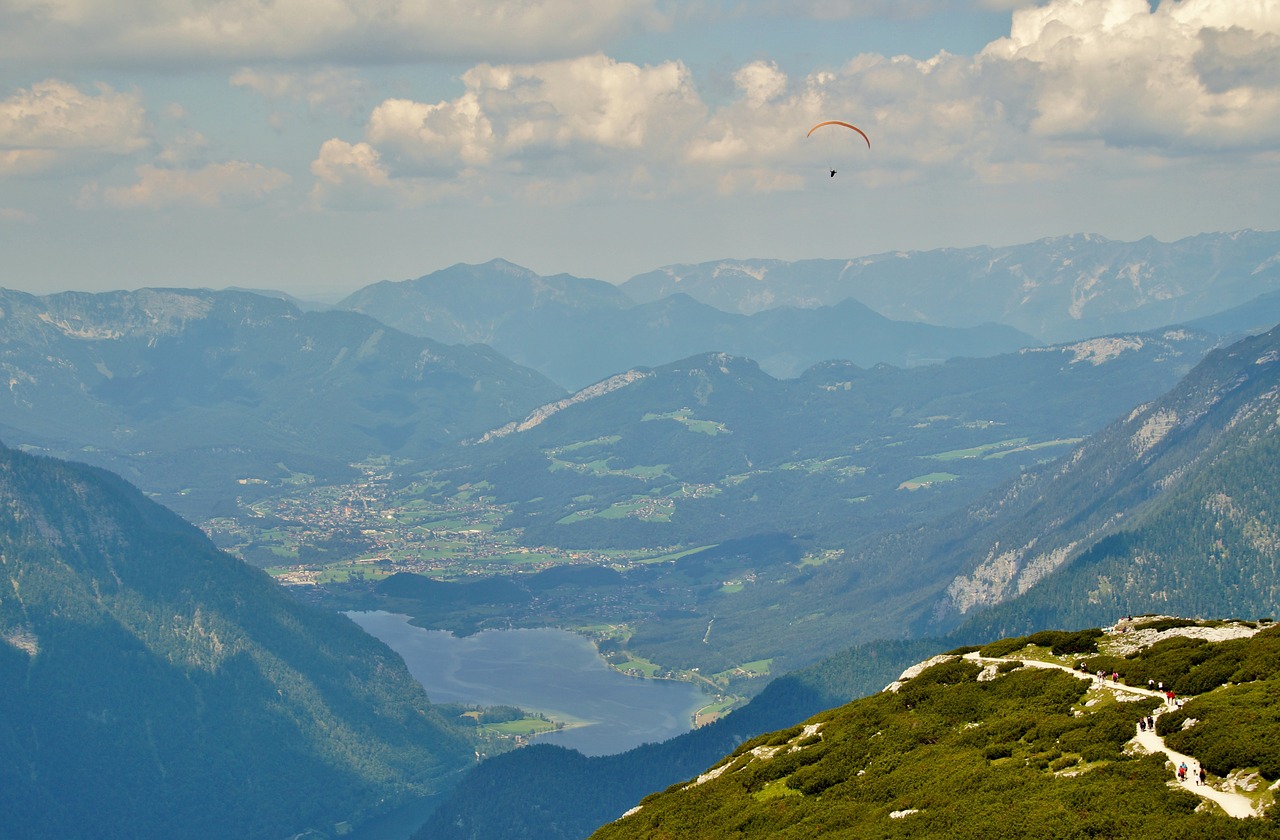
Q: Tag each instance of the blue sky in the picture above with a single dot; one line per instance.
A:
(317, 146)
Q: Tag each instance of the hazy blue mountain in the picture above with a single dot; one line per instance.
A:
(1057, 289)
(1179, 500)
(304, 305)
(1174, 507)
(152, 686)
(826, 497)
(476, 304)
(578, 331)
(1257, 316)
(194, 393)
(713, 448)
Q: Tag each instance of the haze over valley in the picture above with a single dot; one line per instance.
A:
(428, 421)
(697, 518)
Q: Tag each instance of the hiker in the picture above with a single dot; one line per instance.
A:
(1200, 775)
(1142, 724)
(1182, 772)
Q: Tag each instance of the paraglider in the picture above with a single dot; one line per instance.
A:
(846, 125)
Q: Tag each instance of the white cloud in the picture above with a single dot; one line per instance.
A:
(220, 32)
(352, 176)
(13, 214)
(53, 127)
(330, 90)
(564, 128)
(1107, 85)
(234, 183)
(1078, 83)
(1195, 75)
(760, 82)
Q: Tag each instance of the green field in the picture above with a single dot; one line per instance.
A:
(525, 726)
(922, 481)
(685, 417)
(980, 451)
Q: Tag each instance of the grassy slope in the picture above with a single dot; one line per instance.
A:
(1023, 755)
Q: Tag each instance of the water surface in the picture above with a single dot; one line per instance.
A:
(554, 672)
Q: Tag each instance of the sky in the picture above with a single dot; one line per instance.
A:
(318, 146)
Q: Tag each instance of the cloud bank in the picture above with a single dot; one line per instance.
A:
(219, 32)
(1077, 84)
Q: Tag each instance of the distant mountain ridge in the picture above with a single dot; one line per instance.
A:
(579, 331)
(1057, 289)
(188, 391)
(731, 450)
(153, 687)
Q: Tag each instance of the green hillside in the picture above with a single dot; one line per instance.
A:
(153, 687)
(989, 746)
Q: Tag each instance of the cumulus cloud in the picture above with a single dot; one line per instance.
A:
(536, 123)
(53, 127)
(331, 90)
(233, 183)
(352, 176)
(1200, 74)
(1076, 83)
(220, 32)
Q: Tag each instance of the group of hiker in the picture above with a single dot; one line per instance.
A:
(1148, 722)
(1197, 774)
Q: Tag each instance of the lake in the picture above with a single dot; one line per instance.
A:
(555, 672)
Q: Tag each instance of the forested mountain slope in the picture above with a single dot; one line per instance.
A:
(1174, 507)
(714, 448)
(153, 687)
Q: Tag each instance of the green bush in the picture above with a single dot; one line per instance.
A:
(1063, 763)
(1004, 647)
(1063, 643)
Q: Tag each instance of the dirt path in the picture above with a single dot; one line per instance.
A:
(1233, 804)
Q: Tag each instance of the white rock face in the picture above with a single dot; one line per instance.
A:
(917, 669)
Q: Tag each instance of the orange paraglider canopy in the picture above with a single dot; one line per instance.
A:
(846, 125)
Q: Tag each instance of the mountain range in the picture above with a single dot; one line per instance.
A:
(1174, 506)
(712, 448)
(201, 396)
(1057, 289)
(152, 686)
(578, 332)
(1169, 509)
